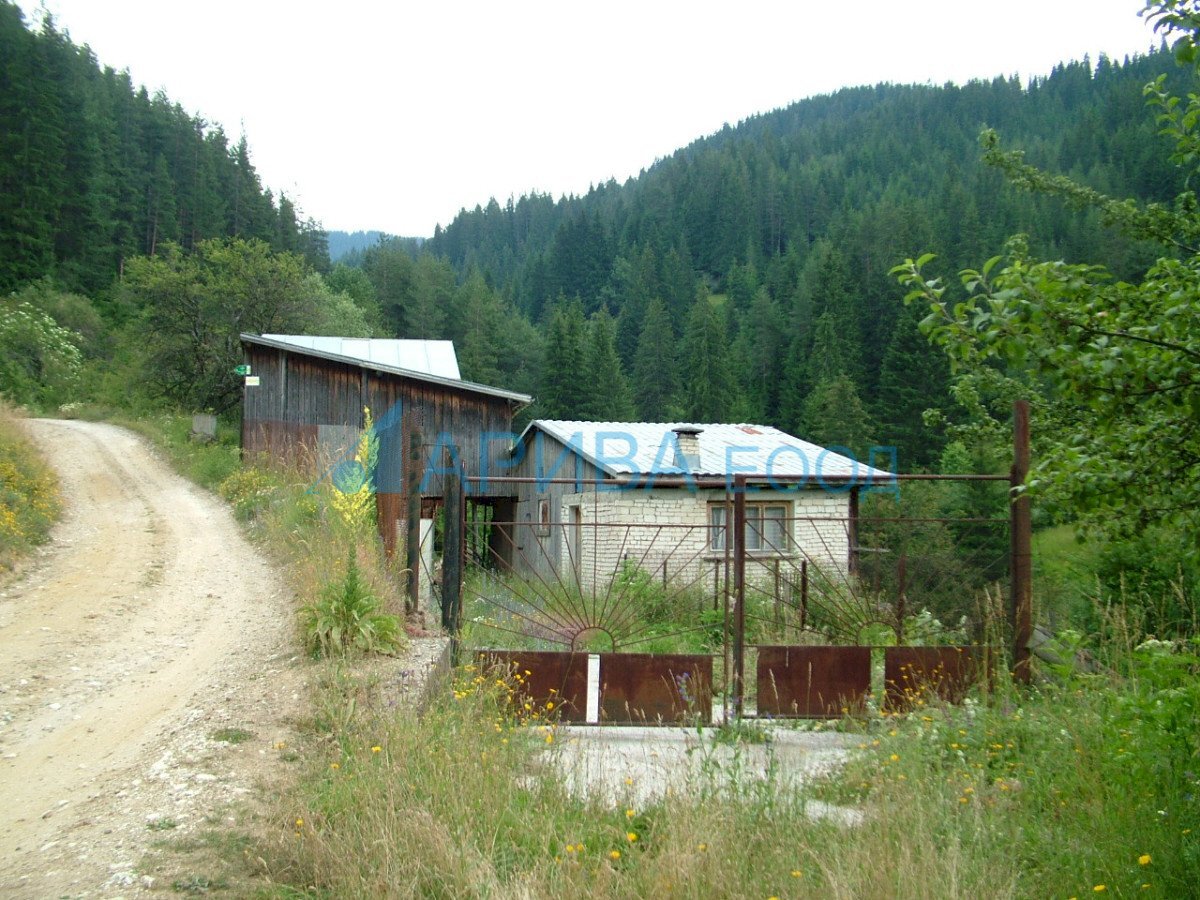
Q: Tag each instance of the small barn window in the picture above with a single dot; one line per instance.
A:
(543, 516)
(766, 527)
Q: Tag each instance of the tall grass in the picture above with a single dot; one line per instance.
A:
(1054, 792)
(29, 497)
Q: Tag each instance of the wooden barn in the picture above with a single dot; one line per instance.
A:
(304, 400)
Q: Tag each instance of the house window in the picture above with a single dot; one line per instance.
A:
(766, 527)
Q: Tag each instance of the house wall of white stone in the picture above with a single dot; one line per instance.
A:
(666, 533)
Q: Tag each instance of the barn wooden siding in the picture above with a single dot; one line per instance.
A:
(309, 411)
(543, 553)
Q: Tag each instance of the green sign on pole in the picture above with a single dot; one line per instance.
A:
(242, 370)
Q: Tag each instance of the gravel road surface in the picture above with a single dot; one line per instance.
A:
(149, 675)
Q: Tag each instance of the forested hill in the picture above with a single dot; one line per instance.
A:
(790, 222)
(744, 277)
(840, 165)
(95, 171)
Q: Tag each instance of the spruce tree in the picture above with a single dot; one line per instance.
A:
(710, 391)
(655, 368)
(835, 416)
(606, 396)
(561, 395)
(914, 377)
(479, 353)
(759, 351)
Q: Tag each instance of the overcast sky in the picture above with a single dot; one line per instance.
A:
(394, 115)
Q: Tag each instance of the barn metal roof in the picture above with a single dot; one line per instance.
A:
(430, 357)
(624, 448)
(296, 344)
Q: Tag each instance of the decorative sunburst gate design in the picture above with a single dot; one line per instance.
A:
(657, 616)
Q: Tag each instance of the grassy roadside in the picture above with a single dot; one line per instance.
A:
(29, 496)
(1073, 789)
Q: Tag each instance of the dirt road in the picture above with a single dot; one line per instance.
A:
(148, 674)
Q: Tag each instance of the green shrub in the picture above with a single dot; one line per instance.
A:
(248, 491)
(39, 360)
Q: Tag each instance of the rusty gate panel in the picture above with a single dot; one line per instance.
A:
(653, 688)
(913, 674)
(557, 677)
(814, 682)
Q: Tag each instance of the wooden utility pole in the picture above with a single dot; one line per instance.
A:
(452, 550)
(412, 521)
(1021, 530)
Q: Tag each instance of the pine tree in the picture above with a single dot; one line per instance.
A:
(606, 396)
(655, 368)
(914, 377)
(562, 383)
(710, 393)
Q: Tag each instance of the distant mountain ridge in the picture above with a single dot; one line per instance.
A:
(342, 243)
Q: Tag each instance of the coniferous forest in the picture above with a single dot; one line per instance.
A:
(744, 277)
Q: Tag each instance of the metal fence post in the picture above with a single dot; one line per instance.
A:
(738, 537)
(852, 531)
(1021, 528)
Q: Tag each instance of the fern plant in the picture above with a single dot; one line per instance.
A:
(347, 616)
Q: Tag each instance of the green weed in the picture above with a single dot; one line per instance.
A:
(347, 616)
(232, 735)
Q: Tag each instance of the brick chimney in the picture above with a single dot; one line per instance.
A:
(687, 439)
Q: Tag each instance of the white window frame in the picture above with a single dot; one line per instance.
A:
(757, 541)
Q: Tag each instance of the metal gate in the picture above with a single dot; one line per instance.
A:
(619, 602)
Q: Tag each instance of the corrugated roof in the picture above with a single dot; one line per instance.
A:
(276, 342)
(430, 357)
(622, 448)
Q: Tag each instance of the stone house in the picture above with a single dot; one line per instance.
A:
(596, 498)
